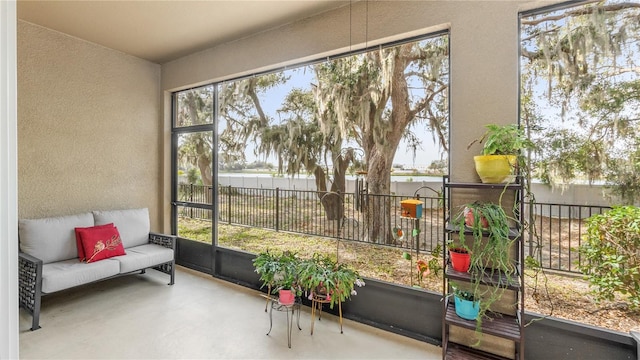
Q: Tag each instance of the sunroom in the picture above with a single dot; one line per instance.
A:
(97, 126)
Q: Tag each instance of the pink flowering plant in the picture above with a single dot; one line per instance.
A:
(325, 278)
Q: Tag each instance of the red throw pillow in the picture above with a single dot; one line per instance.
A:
(101, 243)
(79, 240)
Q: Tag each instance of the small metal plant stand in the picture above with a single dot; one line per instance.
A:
(316, 306)
(293, 308)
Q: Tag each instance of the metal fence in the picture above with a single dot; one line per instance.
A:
(557, 231)
(554, 237)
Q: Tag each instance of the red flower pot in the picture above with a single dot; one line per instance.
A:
(286, 297)
(460, 259)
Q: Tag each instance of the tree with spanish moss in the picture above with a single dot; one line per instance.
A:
(588, 59)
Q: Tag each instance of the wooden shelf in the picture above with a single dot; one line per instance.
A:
(514, 233)
(503, 326)
(496, 279)
(509, 326)
(459, 352)
(464, 185)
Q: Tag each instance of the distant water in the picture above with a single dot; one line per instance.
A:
(408, 178)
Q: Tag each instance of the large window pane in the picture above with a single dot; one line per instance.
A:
(291, 140)
(580, 96)
(195, 160)
(327, 136)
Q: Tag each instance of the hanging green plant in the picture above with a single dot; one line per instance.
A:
(491, 235)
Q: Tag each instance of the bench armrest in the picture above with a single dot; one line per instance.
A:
(168, 241)
(28, 258)
(30, 285)
(29, 268)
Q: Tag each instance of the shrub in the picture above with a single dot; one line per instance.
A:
(612, 251)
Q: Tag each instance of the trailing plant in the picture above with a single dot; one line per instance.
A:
(490, 221)
(539, 290)
(489, 227)
(611, 252)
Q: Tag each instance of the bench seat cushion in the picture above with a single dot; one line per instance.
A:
(143, 256)
(69, 273)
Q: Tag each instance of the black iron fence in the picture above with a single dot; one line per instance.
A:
(554, 239)
(556, 234)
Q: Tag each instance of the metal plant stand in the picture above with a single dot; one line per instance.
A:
(288, 308)
(316, 306)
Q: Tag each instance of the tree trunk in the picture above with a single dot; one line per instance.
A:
(379, 207)
(333, 201)
(380, 148)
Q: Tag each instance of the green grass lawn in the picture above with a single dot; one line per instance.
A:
(370, 260)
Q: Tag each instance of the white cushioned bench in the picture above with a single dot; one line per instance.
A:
(49, 261)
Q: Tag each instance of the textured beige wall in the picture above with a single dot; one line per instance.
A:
(89, 127)
(484, 56)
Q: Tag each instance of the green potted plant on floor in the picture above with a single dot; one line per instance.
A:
(328, 282)
(325, 278)
(280, 273)
(502, 147)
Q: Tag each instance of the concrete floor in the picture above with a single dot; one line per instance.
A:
(140, 317)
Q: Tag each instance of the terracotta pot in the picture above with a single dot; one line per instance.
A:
(469, 218)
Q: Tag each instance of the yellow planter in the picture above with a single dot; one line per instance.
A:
(495, 169)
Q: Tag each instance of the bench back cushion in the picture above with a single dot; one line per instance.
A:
(133, 224)
(52, 239)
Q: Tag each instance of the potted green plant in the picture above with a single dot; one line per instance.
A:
(460, 256)
(501, 152)
(466, 303)
(328, 282)
(313, 274)
(325, 278)
(266, 264)
(280, 273)
(487, 221)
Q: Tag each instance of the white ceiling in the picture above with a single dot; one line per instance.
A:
(161, 31)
